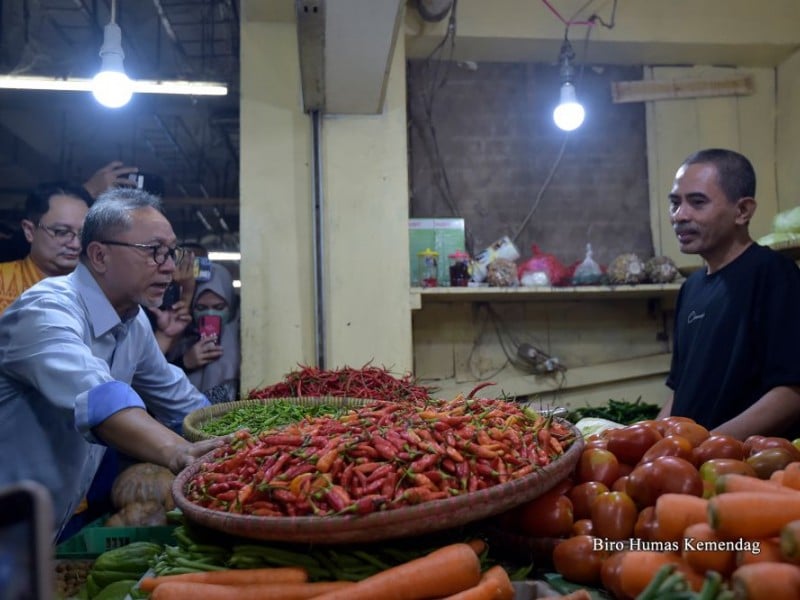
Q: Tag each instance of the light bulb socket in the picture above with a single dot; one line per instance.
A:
(565, 58)
(111, 51)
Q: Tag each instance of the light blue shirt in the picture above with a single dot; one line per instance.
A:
(67, 363)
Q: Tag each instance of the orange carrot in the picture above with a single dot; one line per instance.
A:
(443, 572)
(767, 581)
(790, 542)
(675, 512)
(580, 594)
(701, 551)
(494, 585)
(768, 550)
(192, 590)
(777, 476)
(478, 545)
(752, 515)
(791, 475)
(733, 482)
(232, 577)
(636, 569)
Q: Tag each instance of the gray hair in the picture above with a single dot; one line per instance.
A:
(111, 213)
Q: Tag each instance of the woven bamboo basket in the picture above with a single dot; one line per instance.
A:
(193, 422)
(427, 517)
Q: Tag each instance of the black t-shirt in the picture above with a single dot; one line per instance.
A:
(736, 336)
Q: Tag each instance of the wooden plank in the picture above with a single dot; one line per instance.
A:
(642, 91)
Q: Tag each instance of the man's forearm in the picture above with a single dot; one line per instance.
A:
(772, 414)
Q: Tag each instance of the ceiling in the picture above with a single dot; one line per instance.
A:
(192, 142)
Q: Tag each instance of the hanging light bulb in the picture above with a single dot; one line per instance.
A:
(111, 86)
(569, 113)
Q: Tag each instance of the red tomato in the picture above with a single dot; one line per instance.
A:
(718, 446)
(646, 524)
(596, 464)
(610, 574)
(549, 515)
(693, 432)
(765, 462)
(614, 515)
(671, 445)
(757, 443)
(625, 469)
(583, 527)
(579, 559)
(582, 496)
(630, 443)
(660, 476)
(620, 484)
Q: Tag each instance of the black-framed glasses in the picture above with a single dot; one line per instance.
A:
(160, 251)
(60, 234)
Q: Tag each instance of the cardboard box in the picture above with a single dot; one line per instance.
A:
(444, 236)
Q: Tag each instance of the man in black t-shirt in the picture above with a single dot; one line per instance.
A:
(735, 362)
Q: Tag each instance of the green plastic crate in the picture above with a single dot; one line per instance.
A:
(94, 539)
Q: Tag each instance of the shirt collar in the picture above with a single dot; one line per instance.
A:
(102, 316)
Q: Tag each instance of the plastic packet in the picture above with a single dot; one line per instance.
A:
(588, 272)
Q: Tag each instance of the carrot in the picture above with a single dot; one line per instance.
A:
(478, 546)
(636, 569)
(767, 581)
(580, 594)
(777, 476)
(443, 572)
(791, 475)
(768, 550)
(790, 542)
(192, 590)
(675, 512)
(752, 515)
(232, 577)
(494, 585)
(733, 482)
(702, 551)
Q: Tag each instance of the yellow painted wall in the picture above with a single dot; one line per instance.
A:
(788, 132)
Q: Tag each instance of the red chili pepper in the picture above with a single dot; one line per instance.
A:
(478, 388)
(423, 464)
(338, 498)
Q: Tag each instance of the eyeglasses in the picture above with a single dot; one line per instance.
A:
(61, 234)
(160, 252)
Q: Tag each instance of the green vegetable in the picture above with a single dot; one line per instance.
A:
(133, 558)
(118, 590)
(787, 221)
(619, 411)
(271, 415)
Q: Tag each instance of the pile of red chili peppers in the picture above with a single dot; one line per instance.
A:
(367, 382)
(377, 457)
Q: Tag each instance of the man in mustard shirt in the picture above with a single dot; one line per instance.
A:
(54, 214)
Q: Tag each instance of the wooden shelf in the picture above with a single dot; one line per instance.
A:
(524, 294)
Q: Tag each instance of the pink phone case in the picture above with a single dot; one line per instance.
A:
(210, 325)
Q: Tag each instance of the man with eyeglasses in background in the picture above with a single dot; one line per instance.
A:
(79, 364)
(54, 214)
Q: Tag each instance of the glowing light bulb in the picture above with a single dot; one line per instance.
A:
(111, 86)
(569, 113)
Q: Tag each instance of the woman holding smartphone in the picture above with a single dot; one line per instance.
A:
(209, 349)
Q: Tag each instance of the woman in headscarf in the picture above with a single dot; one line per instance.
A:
(209, 351)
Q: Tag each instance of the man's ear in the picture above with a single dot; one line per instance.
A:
(28, 227)
(745, 208)
(98, 256)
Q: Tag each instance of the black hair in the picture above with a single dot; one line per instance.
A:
(735, 173)
(38, 201)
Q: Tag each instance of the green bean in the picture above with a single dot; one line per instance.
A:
(271, 415)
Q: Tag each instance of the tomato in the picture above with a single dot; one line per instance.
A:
(594, 441)
(583, 527)
(610, 574)
(671, 445)
(630, 443)
(718, 446)
(694, 432)
(549, 515)
(766, 462)
(756, 443)
(646, 524)
(579, 559)
(620, 484)
(582, 496)
(660, 476)
(596, 464)
(614, 515)
(796, 443)
(625, 469)
(713, 468)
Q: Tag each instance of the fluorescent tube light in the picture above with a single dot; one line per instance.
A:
(222, 256)
(143, 86)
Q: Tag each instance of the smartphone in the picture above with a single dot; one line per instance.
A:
(210, 325)
(149, 182)
(202, 269)
(171, 296)
(26, 542)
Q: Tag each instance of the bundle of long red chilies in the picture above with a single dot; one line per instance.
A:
(378, 457)
(369, 381)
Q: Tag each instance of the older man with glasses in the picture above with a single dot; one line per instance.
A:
(79, 364)
(54, 214)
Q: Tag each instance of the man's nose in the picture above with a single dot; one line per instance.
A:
(680, 213)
